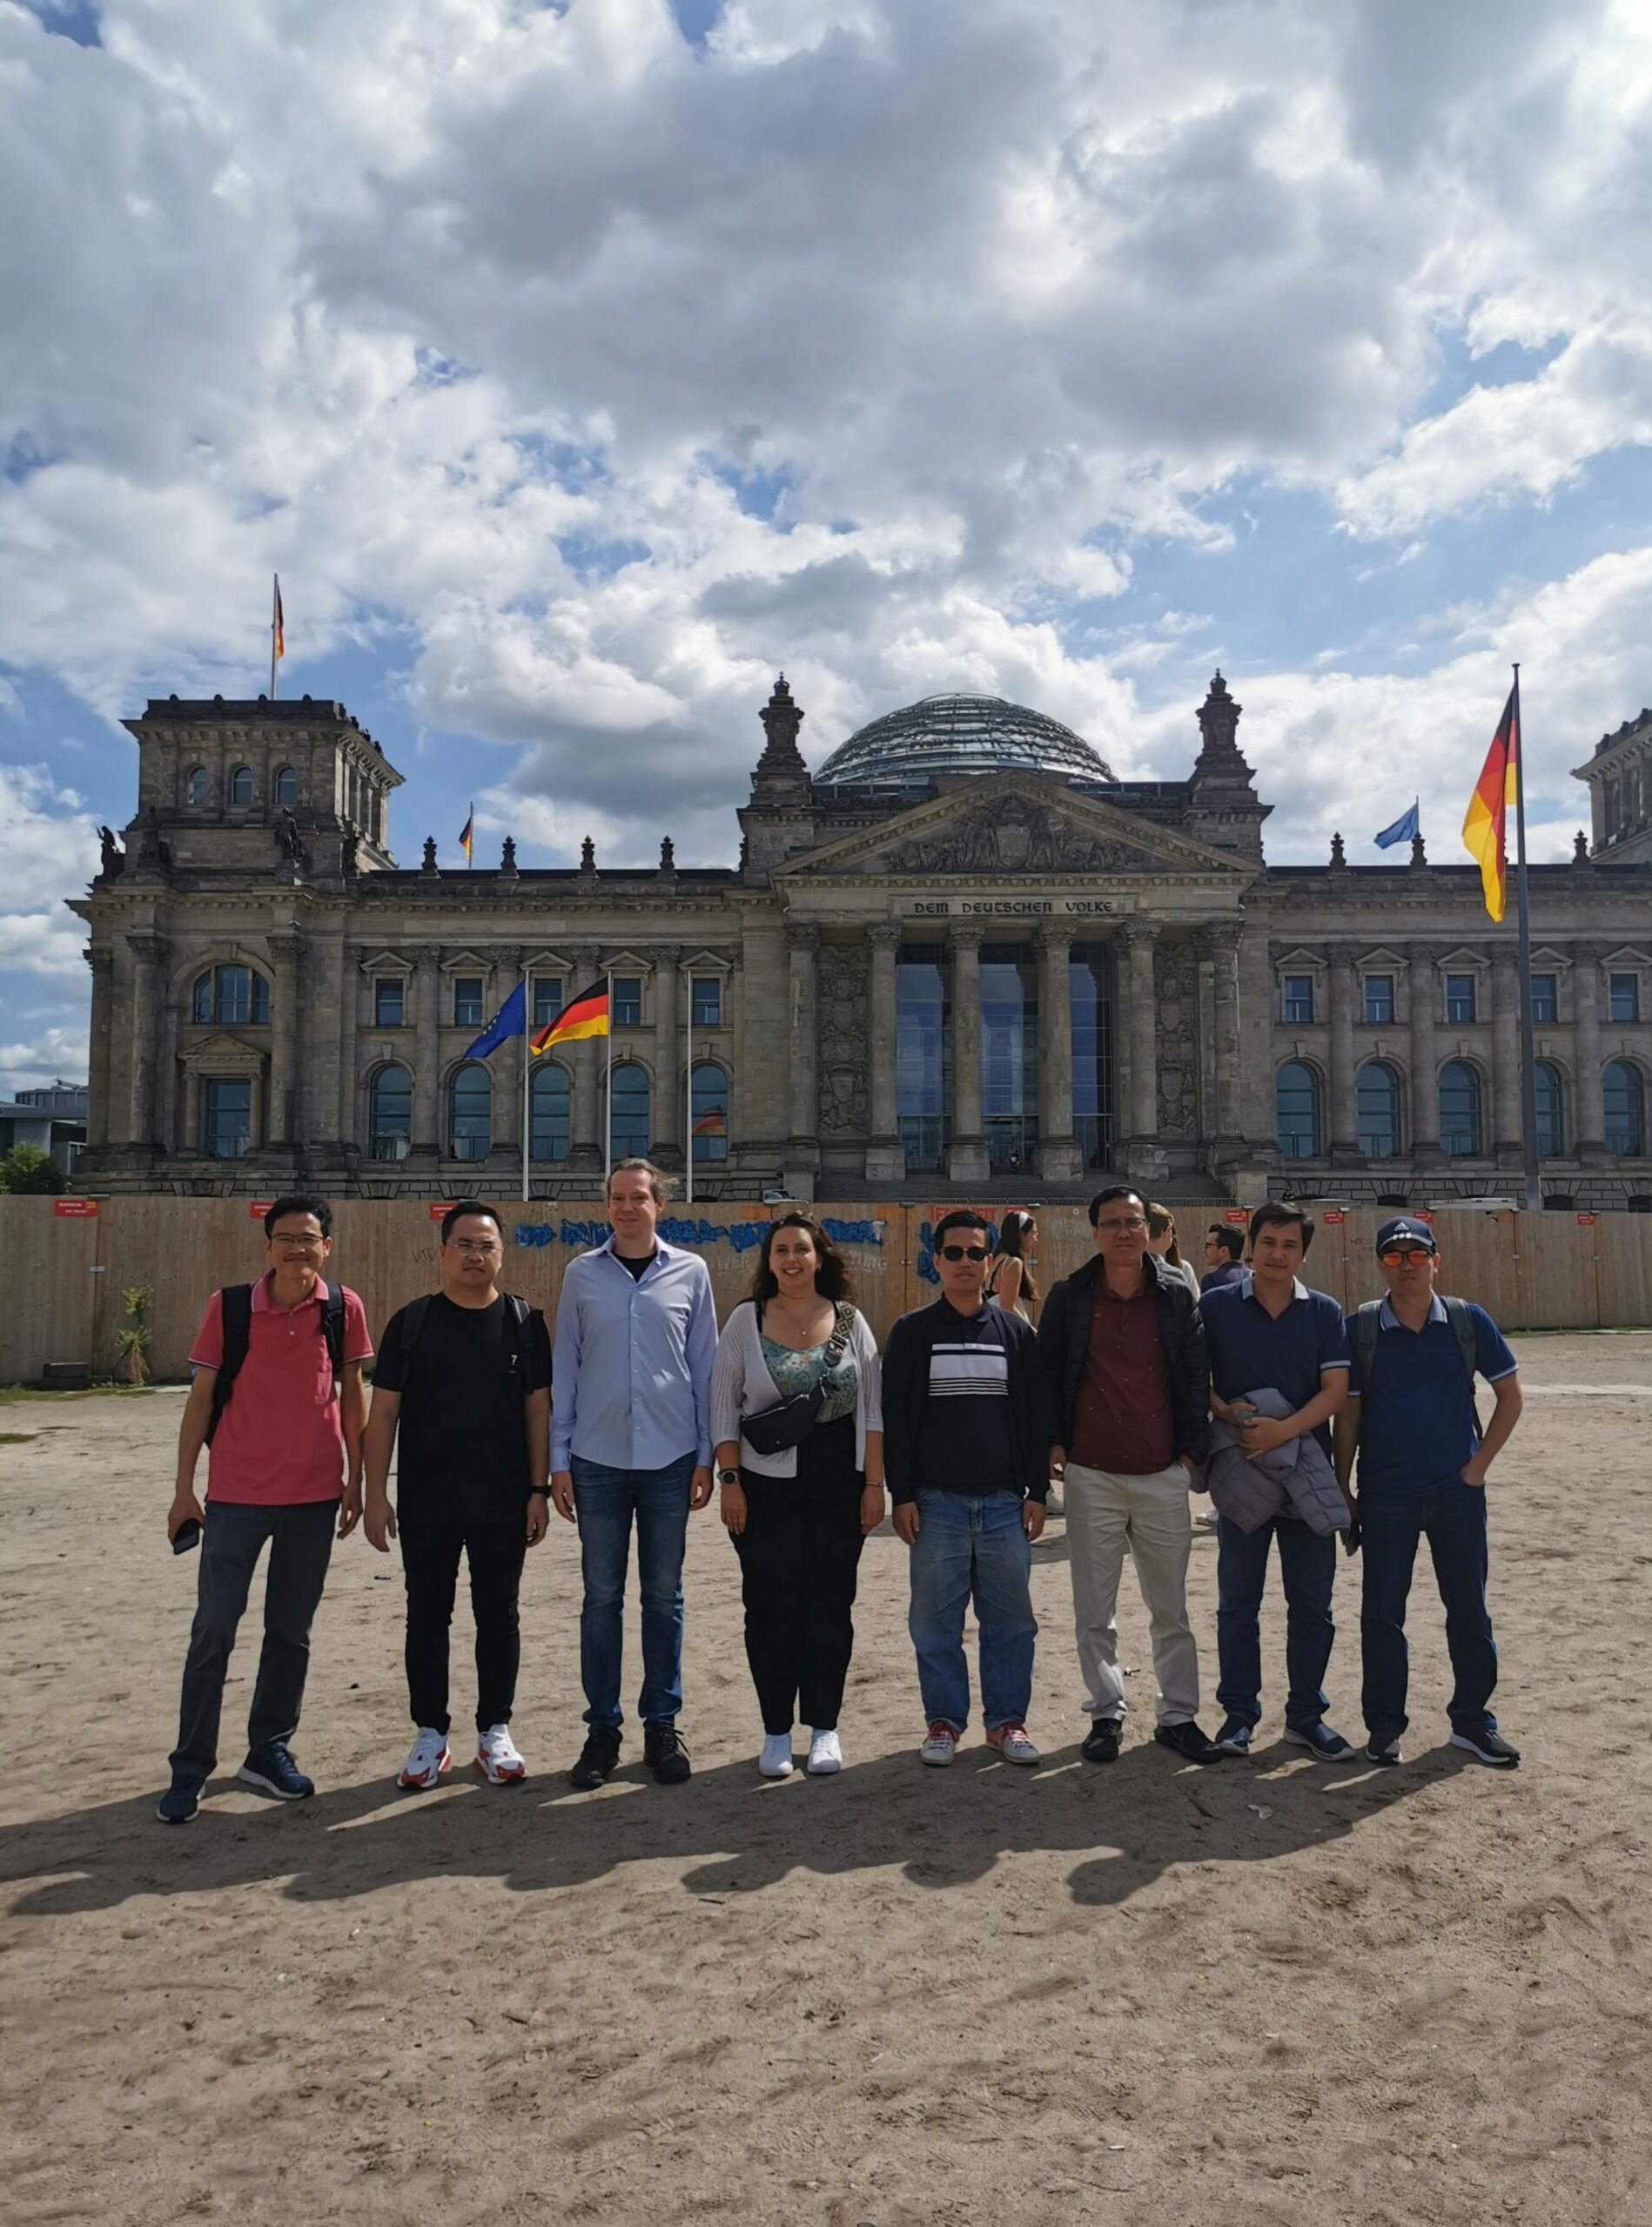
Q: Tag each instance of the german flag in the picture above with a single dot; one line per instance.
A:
(278, 623)
(467, 834)
(1484, 829)
(714, 1124)
(586, 1015)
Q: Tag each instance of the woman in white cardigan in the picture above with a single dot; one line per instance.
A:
(798, 1518)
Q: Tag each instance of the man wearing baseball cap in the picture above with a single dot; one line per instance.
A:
(1411, 1415)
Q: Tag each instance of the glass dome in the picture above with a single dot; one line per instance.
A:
(958, 734)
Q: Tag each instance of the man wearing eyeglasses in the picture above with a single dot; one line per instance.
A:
(967, 1457)
(1126, 1379)
(1422, 1466)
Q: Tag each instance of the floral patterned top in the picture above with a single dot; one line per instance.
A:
(797, 1369)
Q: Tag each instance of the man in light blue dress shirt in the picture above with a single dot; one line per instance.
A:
(636, 1334)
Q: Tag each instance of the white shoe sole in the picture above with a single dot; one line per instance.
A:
(268, 1785)
(1344, 1755)
(1491, 1762)
(775, 1770)
(422, 1785)
(938, 1762)
(499, 1775)
(826, 1767)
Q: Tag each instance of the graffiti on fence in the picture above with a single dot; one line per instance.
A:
(678, 1229)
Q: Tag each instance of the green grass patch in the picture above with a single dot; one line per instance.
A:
(17, 1438)
(11, 1393)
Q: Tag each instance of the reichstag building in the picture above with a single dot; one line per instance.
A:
(959, 958)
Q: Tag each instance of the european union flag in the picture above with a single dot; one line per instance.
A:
(1406, 829)
(510, 1020)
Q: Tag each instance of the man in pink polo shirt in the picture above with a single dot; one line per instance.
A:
(278, 1392)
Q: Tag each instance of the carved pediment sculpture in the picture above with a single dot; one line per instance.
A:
(1013, 836)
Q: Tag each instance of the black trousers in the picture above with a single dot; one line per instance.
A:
(301, 1548)
(799, 1558)
(430, 1547)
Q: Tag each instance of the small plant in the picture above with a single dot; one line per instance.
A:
(134, 1342)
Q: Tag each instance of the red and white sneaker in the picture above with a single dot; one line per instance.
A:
(940, 1744)
(1012, 1744)
(427, 1759)
(497, 1755)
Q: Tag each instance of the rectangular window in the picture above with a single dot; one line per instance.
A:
(228, 1120)
(1379, 1000)
(1460, 997)
(388, 1002)
(467, 1000)
(1623, 997)
(708, 1001)
(1299, 998)
(628, 1001)
(547, 1003)
(1545, 997)
(923, 1053)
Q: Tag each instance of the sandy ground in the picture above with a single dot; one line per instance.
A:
(1274, 1992)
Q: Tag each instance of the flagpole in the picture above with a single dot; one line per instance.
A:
(1527, 1047)
(528, 1076)
(688, 1101)
(608, 1095)
(275, 601)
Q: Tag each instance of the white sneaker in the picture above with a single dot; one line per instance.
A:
(940, 1744)
(427, 1759)
(498, 1754)
(1012, 1744)
(774, 1762)
(825, 1756)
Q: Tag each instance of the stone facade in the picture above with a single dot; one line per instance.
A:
(997, 983)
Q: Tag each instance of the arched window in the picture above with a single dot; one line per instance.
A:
(709, 1111)
(232, 996)
(1459, 1109)
(390, 1114)
(1379, 1110)
(285, 791)
(548, 1111)
(628, 1115)
(1551, 1120)
(471, 1108)
(195, 785)
(241, 786)
(1296, 1104)
(1623, 1101)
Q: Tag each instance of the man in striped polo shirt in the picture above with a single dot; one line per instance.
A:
(966, 1452)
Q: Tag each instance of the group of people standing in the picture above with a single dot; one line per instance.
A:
(1141, 1384)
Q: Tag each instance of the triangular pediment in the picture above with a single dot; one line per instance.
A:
(1014, 824)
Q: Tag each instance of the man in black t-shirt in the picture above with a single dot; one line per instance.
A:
(467, 1371)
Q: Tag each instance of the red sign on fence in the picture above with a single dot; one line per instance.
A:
(1585, 1220)
(75, 1209)
(1236, 1215)
(438, 1207)
(259, 1208)
(1334, 1214)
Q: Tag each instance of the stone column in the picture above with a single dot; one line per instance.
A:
(1059, 1160)
(426, 1114)
(1589, 1111)
(586, 1058)
(967, 1154)
(1505, 1136)
(339, 1108)
(1423, 988)
(802, 1145)
(149, 954)
(505, 1063)
(287, 954)
(885, 1154)
(101, 961)
(668, 1142)
(1344, 1112)
(1222, 941)
(1140, 940)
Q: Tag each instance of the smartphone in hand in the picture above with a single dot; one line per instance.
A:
(187, 1535)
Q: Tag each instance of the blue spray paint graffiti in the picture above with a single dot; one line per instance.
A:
(676, 1229)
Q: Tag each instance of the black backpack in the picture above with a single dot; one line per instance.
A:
(1366, 1326)
(236, 1300)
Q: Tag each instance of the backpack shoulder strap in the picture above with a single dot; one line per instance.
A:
(235, 1309)
(520, 1307)
(332, 1327)
(1462, 1324)
(1367, 1325)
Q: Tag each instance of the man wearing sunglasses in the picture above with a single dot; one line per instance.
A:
(1411, 1415)
(967, 1456)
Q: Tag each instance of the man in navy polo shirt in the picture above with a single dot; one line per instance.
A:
(1268, 1331)
(1422, 1475)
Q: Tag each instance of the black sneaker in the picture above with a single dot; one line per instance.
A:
(1234, 1735)
(1489, 1748)
(1190, 1743)
(665, 1755)
(1101, 1741)
(597, 1758)
(181, 1800)
(270, 1769)
(1386, 1752)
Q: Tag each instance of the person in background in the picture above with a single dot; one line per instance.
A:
(1161, 1240)
(637, 1335)
(1224, 1257)
(798, 1516)
(465, 1373)
(968, 1450)
(1010, 1281)
(278, 1392)
(1422, 1475)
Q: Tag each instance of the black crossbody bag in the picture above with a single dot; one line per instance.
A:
(773, 1430)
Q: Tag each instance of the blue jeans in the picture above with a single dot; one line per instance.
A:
(969, 1543)
(1308, 1568)
(605, 1500)
(1451, 1516)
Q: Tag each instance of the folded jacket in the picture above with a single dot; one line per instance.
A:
(1250, 1492)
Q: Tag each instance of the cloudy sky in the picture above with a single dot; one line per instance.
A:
(579, 367)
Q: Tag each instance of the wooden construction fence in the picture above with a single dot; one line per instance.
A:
(62, 1273)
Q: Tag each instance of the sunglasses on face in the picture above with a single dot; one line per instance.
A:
(1412, 1255)
(963, 1252)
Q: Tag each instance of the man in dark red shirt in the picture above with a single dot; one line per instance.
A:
(1124, 1358)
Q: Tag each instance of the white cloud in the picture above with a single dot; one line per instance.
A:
(48, 852)
(55, 1051)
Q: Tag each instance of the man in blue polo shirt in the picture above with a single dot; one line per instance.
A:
(1422, 1475)
(1267, 1330)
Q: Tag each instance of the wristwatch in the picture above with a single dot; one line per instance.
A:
(728, 1476)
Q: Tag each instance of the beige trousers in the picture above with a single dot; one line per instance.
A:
(1106, 1513)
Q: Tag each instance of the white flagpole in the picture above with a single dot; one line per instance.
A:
(607, 1097)
(688, 1101)
(528, 1077)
